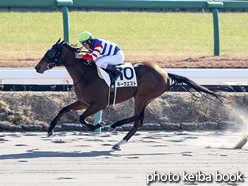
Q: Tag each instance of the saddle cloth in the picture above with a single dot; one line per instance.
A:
(127, 79)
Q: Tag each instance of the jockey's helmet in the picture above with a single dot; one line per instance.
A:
(85, 36)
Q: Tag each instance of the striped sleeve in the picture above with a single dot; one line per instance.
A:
(92, 55)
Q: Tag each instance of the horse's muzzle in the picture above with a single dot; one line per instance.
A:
(38, 69)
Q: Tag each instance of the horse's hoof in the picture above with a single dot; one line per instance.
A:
(102, 123)
(241, 143)
(111, 129)
(49, 134)
(116, 146)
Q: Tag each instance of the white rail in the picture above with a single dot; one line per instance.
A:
(61, 76)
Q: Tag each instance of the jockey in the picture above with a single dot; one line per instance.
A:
(111, 53)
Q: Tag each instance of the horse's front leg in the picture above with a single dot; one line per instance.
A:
(92, 109)
(74, 106)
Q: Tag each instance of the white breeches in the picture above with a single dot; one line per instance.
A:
(116, 59)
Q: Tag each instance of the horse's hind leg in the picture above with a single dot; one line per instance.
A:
(122, 122)
(74, 106)
(141, 101)
(136, 126)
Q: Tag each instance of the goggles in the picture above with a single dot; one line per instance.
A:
(84, 43)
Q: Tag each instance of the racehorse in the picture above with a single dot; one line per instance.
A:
(92, 92)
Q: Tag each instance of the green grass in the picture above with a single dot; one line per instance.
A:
(168, 33)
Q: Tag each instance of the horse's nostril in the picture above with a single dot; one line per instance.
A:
(37, 68)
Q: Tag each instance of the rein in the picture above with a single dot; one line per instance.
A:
(88, 65)
(85, 62)
(82, 76)
(56, 60)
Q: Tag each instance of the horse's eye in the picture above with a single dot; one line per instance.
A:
(51, 53)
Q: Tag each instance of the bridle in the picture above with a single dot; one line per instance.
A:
(53, 58)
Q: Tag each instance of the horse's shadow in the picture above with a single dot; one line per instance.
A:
(50, 154)
(32, 154)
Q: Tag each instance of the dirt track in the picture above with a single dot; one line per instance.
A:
(76, 158)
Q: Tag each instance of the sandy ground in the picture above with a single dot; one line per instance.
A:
(75, 158)
(163, 60)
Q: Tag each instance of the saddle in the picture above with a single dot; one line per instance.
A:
(127, 79)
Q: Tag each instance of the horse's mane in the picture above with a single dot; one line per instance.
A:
(71, 48)
(74, 49)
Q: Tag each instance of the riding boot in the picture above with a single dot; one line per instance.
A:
(115, 73)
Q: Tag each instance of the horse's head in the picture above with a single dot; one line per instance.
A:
(51, 59)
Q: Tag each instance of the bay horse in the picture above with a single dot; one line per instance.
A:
(92, 92)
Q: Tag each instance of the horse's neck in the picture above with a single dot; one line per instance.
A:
(76, 70)
(75, 67)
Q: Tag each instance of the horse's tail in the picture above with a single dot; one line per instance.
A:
(181, 80)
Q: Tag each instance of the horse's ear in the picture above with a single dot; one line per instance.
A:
(61, 44)
(58, 41)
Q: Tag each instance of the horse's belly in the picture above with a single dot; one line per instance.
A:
(125, 93)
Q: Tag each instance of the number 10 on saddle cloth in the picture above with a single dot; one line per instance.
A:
(127, 78)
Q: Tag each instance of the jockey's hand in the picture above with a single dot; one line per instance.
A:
(78, 55)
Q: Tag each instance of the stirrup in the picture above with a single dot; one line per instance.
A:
(118, 74)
